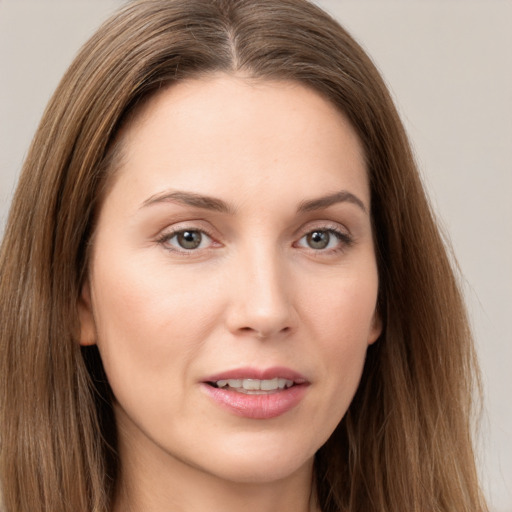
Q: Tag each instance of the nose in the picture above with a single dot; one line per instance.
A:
(261, 299)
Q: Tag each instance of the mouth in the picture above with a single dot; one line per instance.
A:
(254, 386)
(257, 394)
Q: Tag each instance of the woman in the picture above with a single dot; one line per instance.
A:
(229, 289)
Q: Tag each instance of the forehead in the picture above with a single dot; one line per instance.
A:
(221, 128)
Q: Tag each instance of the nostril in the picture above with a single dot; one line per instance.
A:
(246, 321)
(261, 333)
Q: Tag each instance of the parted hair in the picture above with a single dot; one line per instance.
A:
(405, 443)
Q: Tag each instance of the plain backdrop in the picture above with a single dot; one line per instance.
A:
(448, 64)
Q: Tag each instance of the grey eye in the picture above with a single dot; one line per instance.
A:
(189, 239)
(318, 239)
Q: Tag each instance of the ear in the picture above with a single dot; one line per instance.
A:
(376, 328)
(86, 317)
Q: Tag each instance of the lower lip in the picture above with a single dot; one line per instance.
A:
(258, 407)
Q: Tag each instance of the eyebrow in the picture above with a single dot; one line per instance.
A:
(217, 205)
(326, 201)
(189, 199)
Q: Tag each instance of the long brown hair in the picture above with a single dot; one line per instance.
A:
(405, 443)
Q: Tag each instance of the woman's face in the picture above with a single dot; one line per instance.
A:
(233, 281)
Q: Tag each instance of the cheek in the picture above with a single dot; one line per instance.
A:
(343, 324)
(147, 325)
(143, 296)
(342, 307)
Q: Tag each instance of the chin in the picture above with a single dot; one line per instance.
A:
(268, 471)
(261, 461)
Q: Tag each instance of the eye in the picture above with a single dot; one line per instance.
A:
(186, 240)
(318, 239)
(324, 239)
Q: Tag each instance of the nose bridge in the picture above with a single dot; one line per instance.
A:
(261, 302)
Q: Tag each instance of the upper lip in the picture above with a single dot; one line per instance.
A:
(260, 374)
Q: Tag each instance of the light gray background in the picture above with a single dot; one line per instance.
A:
(449, 66)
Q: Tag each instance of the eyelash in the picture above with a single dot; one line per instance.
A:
(344, 239)
(167, 236)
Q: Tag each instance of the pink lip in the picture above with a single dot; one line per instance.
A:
(258, 406)
(254, 373)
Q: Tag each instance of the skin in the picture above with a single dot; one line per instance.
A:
(254, 293)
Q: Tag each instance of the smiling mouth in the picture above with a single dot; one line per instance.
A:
(257, 394)
(254, 386)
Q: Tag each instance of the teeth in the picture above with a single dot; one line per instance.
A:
(268, 385)
(284, 383)
(255, 385)
(251, 384)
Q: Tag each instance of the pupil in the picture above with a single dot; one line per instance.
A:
(189, 239)
(318, 239)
